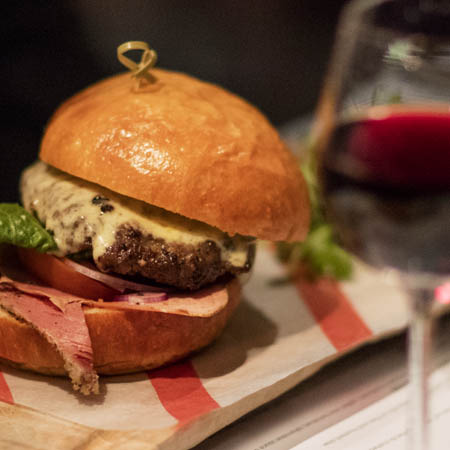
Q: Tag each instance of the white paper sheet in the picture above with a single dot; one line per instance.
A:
(359, 403)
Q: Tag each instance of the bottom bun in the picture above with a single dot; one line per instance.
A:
(122, 341)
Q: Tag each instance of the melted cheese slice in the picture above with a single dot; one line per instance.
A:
(77, 211)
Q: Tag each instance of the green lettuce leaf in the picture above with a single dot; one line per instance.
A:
(319, 251)
(324, 256)
(19, 227)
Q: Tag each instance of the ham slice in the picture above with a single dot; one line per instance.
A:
(204, 303)
(58, 298)
(60, 319)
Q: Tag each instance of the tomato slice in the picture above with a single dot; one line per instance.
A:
(55, 273)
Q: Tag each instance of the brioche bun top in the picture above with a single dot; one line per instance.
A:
(184, 145)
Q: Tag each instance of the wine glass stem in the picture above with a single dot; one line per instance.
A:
(419, 359)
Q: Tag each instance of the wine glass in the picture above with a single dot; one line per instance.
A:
(383, 139)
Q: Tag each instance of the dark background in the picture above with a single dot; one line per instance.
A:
(273, 53)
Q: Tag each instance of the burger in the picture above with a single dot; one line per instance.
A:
(137, 224)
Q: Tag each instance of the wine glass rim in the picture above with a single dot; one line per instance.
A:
(381, 111)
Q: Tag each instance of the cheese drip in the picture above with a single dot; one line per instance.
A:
(78, 212)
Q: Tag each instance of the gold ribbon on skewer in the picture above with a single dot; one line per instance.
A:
(140, 70)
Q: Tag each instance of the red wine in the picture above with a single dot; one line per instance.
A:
(386, 180)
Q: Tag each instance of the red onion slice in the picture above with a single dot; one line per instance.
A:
(141, 298)
(115, 282)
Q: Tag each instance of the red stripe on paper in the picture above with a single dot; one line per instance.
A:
(5, 392)
(333, 312)
(181, 392)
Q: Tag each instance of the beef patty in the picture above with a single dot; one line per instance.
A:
(182, 265)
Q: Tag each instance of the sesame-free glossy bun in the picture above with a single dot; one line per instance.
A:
(186, 146)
